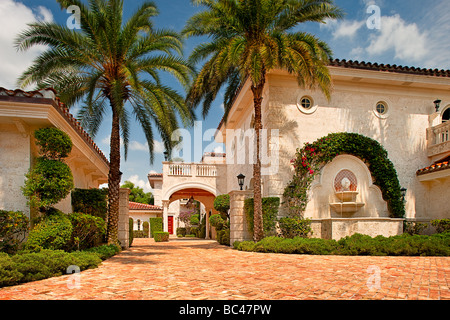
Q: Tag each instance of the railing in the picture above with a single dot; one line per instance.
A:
(439, 139)
(189, 170)
(204, 170)
(179, 170)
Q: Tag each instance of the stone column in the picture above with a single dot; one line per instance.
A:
(123, 228)
(238, 221)
(165, 215)
(207, 237)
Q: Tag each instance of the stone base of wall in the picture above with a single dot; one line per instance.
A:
(338, 228)
(238, 221)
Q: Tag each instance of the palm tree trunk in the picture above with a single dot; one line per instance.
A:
(257, 90)
(114, 180)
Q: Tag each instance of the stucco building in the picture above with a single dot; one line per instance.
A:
(405, 109)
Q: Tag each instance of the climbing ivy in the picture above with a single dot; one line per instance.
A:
(313, 157)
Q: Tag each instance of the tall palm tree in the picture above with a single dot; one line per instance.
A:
(249, 38)
(111, 65)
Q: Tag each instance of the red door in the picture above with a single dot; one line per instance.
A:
(170, 224)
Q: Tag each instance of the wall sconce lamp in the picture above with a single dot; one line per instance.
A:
(403, 190)
(241, 179)
(437, 104)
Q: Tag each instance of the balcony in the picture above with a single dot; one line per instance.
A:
(439, 141)
(191, 170)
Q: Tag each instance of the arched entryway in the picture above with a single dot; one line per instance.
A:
(195, 191)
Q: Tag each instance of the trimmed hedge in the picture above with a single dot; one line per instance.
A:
(13, 228)
(161, 236)
(90, 201)
(156, 225)
(270, 212)
(356, 245)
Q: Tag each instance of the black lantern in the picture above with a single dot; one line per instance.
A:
(403, 191)
(241, 178)
(166, 155)
(437, 104)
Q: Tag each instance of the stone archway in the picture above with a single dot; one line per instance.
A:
(202, 193)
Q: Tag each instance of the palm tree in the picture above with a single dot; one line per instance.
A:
(111, 65)
(249, 38)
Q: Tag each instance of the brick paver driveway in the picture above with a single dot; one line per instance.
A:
(193, 269)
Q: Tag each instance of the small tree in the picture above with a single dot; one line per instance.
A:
(222, 204)
(50, 180)
(137, 194)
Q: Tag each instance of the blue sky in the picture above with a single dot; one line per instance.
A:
(412, 33)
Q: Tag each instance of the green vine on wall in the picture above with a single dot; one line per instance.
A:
(313, 157)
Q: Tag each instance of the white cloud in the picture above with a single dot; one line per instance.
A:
(14, 17)
(140, 183)
(407, 41)
(137, 146)
(347, 28)
(158, 147)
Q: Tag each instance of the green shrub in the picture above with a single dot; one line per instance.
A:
(34, 266)
(181, 231)
(295, 227)
(105, 251)
(130, 231)
(53, 143)
(195, 219)
(53, 232)
(195, 231)
(146, 228)
(48, 182)
(217, 222)
(356, 245)
(139, 234)
(90, 201)
(413, 228)
(442, 225)
(223, 237)
(161, 236)
(270, 212)
(13, 228)
(156, 225)
(88, 231)
(222, 205)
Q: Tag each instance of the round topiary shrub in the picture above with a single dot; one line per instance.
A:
(53, 232)
(53, 143)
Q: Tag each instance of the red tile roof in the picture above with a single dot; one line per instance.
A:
(142, 206)
(434, 168)
(61, 108)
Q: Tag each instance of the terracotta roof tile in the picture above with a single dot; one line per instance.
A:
(434, 168)
(62, 109)
(142, 206)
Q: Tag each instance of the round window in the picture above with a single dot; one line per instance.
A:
(381, 110)
(306, 105)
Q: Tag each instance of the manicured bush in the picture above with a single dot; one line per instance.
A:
(146, 228)
(195, 231)
(139, 234)
(413, 228)
(270, 208)
(295, 227)
(13, 228)
(161, 236)
(34, 266)
(105, 251)
(88, 231)
(50, 180)
(222, 205)
(181, 231)
(130, 231)
(53, 232)
(90, 201)
(195, 220)
(53, 143)
(442, 225)
(223, 237)
(156, 225)
(356, 245)
(217, 222)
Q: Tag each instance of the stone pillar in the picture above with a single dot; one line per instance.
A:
(123, 228)
(165, 215)
(207, 237)
(238, 221)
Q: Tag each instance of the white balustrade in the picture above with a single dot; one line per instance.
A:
(188, 170)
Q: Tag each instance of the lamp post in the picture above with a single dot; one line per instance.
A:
(437, 104)
(403, 190)
(241, 179)
(166, 155)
